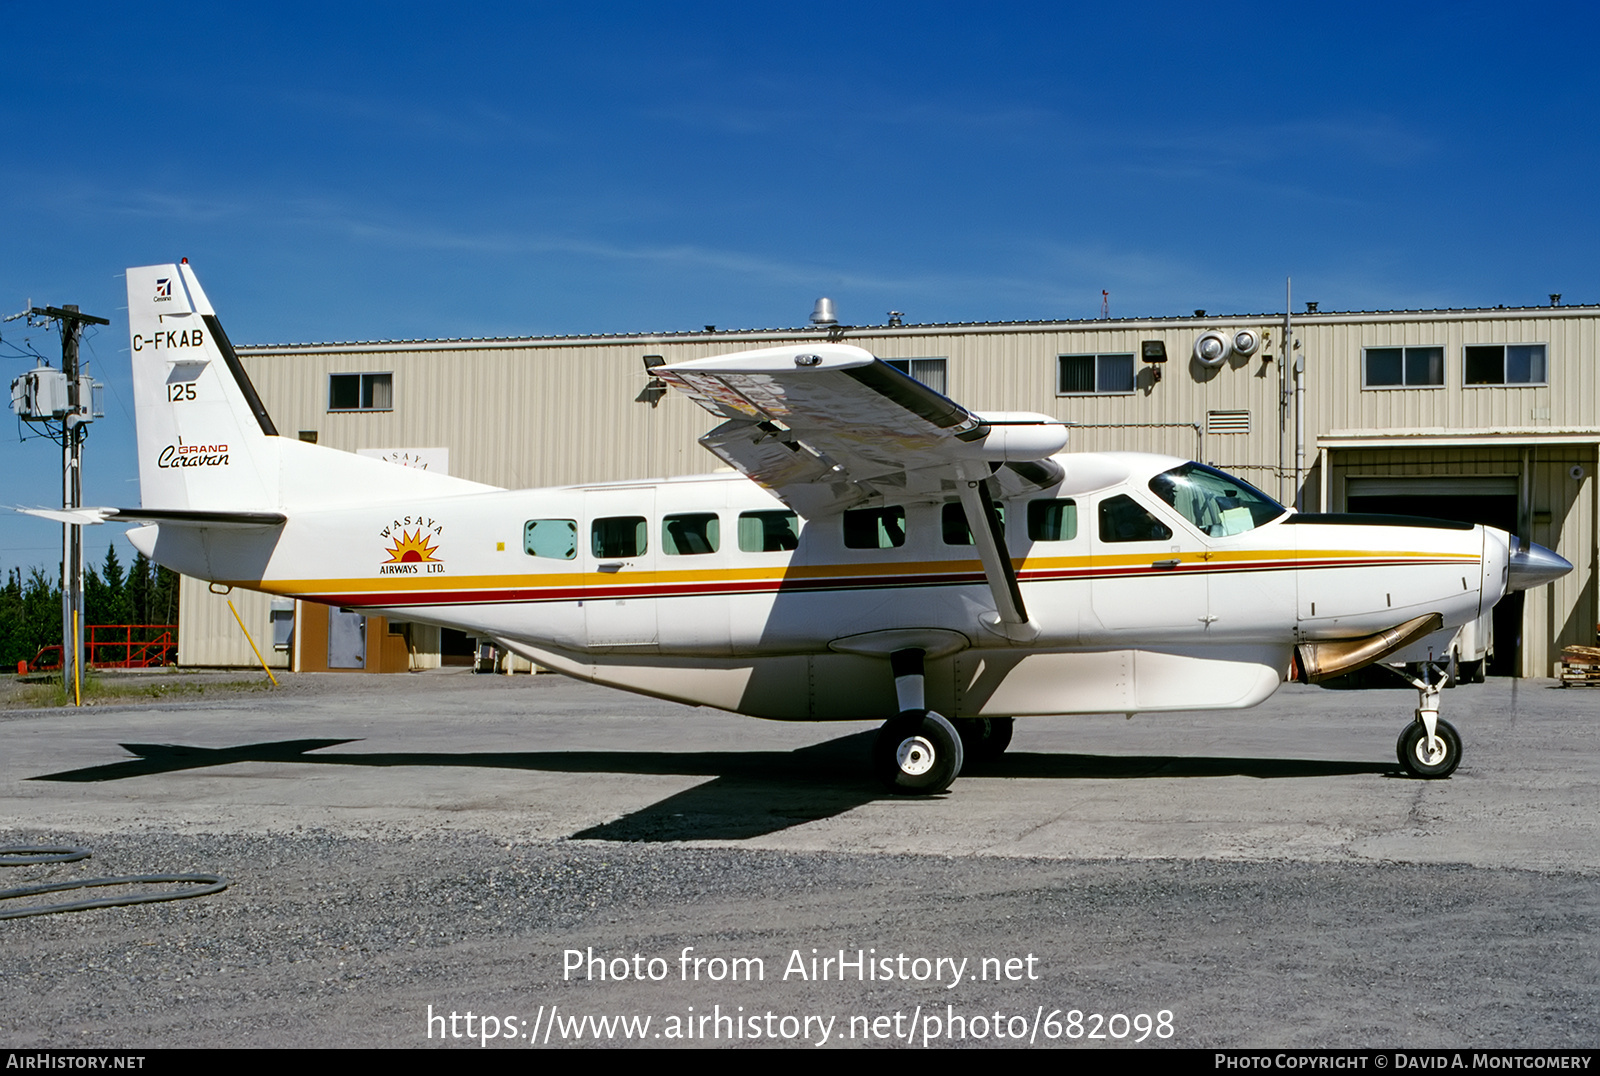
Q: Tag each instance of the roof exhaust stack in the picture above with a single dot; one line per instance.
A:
(822, 313)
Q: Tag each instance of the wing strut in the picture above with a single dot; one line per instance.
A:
(1010, 618)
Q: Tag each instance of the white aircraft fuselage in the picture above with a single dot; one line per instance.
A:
(880, 552)
(1186, 622)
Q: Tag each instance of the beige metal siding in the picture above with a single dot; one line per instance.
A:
(208, 634)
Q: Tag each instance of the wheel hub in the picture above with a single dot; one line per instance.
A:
(1430, 750)
(915, 756)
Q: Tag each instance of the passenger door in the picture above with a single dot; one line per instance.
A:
(619, 556)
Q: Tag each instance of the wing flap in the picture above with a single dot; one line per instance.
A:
(827, 426)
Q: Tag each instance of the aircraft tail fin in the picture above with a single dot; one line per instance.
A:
(206, 441)
(203, 431)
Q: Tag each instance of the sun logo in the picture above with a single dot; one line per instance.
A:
(412, 549)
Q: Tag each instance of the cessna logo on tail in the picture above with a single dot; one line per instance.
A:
(164, 290)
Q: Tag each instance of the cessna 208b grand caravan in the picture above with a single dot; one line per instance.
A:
(879, 551)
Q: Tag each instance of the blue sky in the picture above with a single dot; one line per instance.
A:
(381, 171)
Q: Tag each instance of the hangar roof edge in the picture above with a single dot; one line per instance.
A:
(922, 329)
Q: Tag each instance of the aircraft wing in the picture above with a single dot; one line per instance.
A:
(828, 426)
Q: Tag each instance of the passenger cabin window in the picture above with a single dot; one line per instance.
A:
(875, 528)
(1123, 519)
(1052, 521)
(553, 538)
(690, 535)
(953, 521)
(768, 532)
(619, 537)
(1216, 503)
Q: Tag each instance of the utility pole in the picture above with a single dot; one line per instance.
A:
(1283, 381)
(74, 427)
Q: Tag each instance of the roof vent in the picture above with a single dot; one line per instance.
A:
(822, 313)
(1555, 298)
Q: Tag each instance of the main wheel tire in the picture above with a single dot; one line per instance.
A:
(984, 739)
(1414, 755)
(918, 753)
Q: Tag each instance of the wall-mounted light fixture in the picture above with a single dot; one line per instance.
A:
(1154, 352)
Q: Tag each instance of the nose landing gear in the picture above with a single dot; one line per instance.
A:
(1429, 747)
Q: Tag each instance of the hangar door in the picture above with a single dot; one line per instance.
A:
(1491, 501)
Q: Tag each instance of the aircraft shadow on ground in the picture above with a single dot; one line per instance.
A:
(750, 794)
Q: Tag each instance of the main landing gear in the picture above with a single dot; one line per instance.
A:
(919, 752)
(1429, 747)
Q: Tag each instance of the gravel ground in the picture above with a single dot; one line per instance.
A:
(329, 941)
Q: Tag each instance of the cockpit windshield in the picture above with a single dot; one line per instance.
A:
(1216, 503)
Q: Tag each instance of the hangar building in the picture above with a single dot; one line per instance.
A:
(1488, 415)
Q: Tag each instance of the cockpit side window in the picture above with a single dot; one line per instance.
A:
(1123, 519)
(1216, 503)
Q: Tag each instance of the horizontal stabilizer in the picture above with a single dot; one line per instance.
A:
(85, 517)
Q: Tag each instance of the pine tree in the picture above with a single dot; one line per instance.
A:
(13, 622)
(138, 589)
(118, 610)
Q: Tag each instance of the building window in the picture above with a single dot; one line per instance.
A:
(1079, 374)
(1402, 367)
(931, 372)
(360, 392)
(1504, 364)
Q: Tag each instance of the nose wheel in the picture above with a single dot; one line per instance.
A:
(1429, 747)
(1424, 759)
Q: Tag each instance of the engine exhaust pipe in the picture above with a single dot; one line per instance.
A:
(1319, 661)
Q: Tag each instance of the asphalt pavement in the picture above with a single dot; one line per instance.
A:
(404, 848)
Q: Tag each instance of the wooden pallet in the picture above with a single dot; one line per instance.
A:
(1580, 666)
